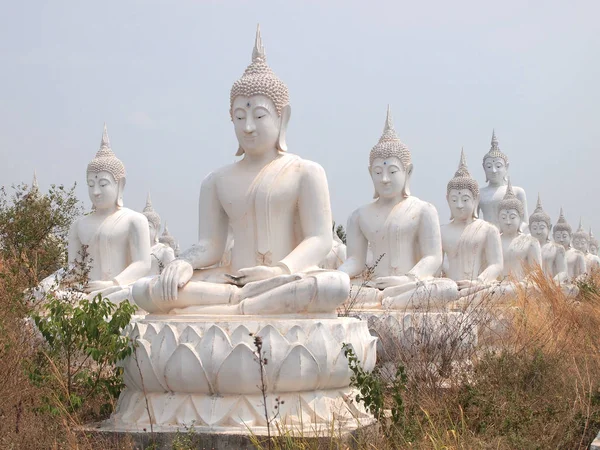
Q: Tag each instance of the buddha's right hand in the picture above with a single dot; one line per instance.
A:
(175, 276)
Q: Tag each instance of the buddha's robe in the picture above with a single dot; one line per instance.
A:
(278, 218)
(407, 241)
(592, 262)
(477, 256)
(554, 261)
(575, 263)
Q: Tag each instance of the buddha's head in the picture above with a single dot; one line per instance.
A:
(495, 164)
(581, 240)
(390, 164)
(510, 212)
(539, 223)
(106, 177)
(562, 231)
(153, 220)
(462, 193)
(259, 106)
(593, 247)
(167, 239)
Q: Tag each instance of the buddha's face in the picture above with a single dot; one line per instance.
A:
(153, 233)
(102, 189)
(563, 238)
(495, 170)
(257, 124)
(580, 243)
(593, 249)
(510, 221)
(540, 231)
(462, 204)
(389, 177)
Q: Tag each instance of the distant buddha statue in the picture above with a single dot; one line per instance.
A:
(270, 198)
(168, 239)
(581, 242)
(495, 165)
(593, 248)
(117, 238)
(337, 255)
(162, 254)
(520, 251)
(554, 261)
(403, 232)
(575, 259)
(472, 248)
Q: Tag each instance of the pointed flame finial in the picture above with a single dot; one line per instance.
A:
(389, 124)
(580, 225)
(34, 182)
(105, 142)
(539, 202)
(149, 206)
(259, 50)
(561, 215)
(509, 190)
(494, 139)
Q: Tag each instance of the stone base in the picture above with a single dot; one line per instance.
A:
(200, 438)
(204, 372)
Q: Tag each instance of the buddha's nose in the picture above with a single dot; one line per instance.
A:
(250, 126)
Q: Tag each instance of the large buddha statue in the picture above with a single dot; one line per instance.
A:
(575, 259)
(495, 165)
(520, 251)
(554, 262)
(167, 238)
(117, 238)
(593, 248)
(403, 232)
(472, 248)
(162, 254)
(278, 207)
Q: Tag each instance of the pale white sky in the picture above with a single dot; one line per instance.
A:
(159, 74)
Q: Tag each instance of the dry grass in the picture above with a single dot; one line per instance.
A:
(533, 384)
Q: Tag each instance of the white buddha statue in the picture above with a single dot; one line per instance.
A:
(581, 242)
(575, 258)
(337, 255)
(162, 254)
(167, 238)
(403, 232)
(269, 197)
(593, 248)
(554, 261)
(471, 246)
(495, 165)
(520, 251)
(117, 238)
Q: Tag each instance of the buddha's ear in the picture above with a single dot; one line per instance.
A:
(375, 194)
(120, 189)
(406, 188)
(476, 207)
(448, 201)
(284, 119)
(486, 177)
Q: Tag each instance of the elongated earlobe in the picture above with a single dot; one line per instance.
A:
(406, 188)
(284, 119)
(120, 189)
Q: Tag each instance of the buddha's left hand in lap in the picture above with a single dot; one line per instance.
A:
(98, 285)
(386, 282)
(257, 273)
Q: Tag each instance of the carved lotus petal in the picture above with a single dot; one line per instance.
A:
(298, 372)
(239, 373)
(151, 381)
(274, 349)
(296, 335)
(339, 373)
(180, 409)
(370, 355)
(318, 405)
(163, 346)
(355, 338)
(246, 415)
(189, 336)
(215, 410)
(213, 349)
(184, 372)
(241, 334)
(137, 331)
(323, 347)
(150, 330)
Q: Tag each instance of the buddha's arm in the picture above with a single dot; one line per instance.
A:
(493, 256)
(212, 230)
(75, 244)
(560, 261)
(429, 242)
(315, 219)
(357, 247)
(139, 250)
(534, 256)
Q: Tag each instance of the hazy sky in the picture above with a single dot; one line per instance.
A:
(159, 74)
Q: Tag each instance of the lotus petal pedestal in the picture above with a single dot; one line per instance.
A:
(204, 372)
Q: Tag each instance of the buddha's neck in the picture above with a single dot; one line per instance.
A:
(391, 201)
(497, 183)
(463, 222)
(105, 212)
(261, 159)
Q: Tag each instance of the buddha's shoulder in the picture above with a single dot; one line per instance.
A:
(486, 226)
(421, 205)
